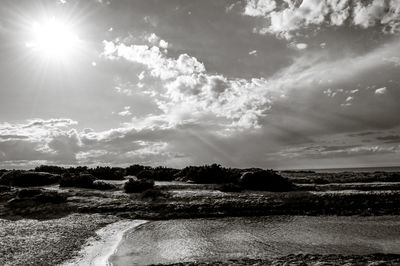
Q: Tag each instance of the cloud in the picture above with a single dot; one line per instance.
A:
(163, 44)
(367, 133)
(152, 57)
(189, 90)
(49, 142)
(253, 52)
(381, 91)
(257, 8)
(39, 139)
(301, 46)
(390, 138)
(395, 60)
(298, 46)
(341, 151)
(284, 19)
(125, 112)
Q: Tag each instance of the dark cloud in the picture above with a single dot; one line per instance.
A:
(361, 134)
(390, 138)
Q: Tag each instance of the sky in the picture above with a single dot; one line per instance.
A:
(281, 84)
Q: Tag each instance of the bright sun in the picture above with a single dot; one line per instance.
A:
(53, 39)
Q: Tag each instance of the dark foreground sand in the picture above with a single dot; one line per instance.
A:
(89, 239)
(49, 242)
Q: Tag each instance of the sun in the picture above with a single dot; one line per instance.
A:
(53, 39)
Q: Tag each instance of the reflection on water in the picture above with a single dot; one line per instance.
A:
(228, 238)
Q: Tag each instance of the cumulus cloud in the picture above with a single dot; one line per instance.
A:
(257, 8)
(39, 139)
(56, 142)
(189, 89)
(152, 57)
(163, 44)
(283, 19)
(188, 93)
(381, 91)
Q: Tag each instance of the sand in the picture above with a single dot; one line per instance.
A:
(98, 249)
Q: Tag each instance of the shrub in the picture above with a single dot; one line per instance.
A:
(230, 187)
(4, 188)
(320, 181)
(78, 170)
(137, 186)
(27, 197)
(153, 194)
(100, 185)
(52, 169)
(208, 174)
(28, 178)
(80, 180)
(135, 169)
(159, 173)
(108, 173)
(28, 193)
(50, 197)
(267, 180)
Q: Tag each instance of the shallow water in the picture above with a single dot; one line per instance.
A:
(256, 237)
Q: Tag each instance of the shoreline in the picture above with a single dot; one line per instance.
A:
(97, 250)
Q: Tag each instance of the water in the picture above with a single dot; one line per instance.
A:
(357, 169)
(256, 237)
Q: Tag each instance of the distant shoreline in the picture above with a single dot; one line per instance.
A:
(348, 169)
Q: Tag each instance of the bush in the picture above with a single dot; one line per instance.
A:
(159, 173)
(4, 188)
(135, 169)
(29, 196)
(80, 180)
(267, 180)
(153, 194)
(28, 178)
(137, 186)
(320, 181)
(28, 193)
(108, 173)
(78, 170)
(52, 169)
(230, 187)
(100, 185)
(208, 174)
(50, 197)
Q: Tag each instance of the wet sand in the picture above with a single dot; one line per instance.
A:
(98, 249)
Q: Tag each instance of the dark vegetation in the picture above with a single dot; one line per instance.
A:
(267, 180)
(154, 194)
(31, 196)
(77, 180)
(304, 193)
(138, 185)
(230, 187)
(230, 179)
(158, 173)
(28, 178)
